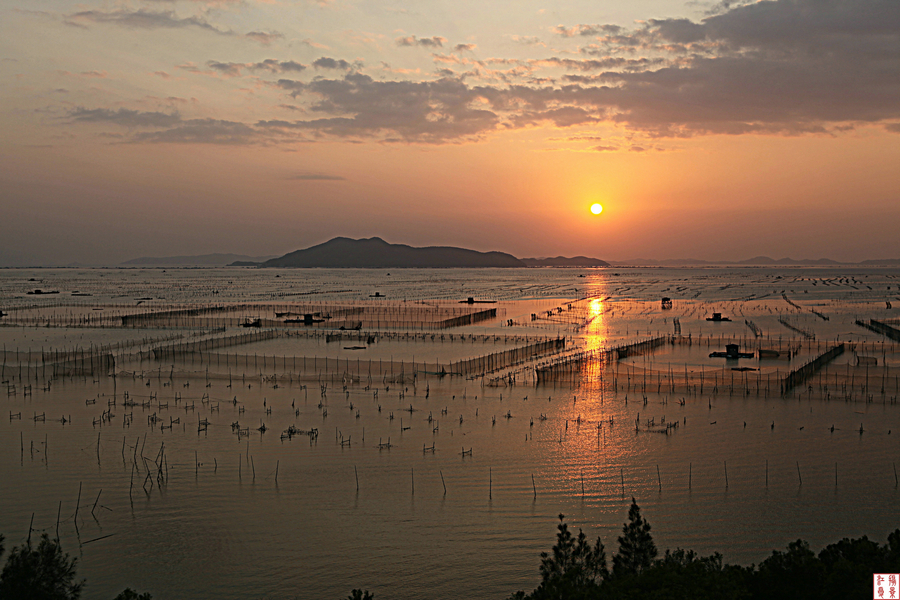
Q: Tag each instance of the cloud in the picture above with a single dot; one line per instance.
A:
(782, 66)
(168, 128)
(464, 48)
(263, 37)
(227, 69)
(566, 116)
(331, 63)
(601, 64)
(679, 31)
(785, 67)
(585, 30)
(141, 19)
(583, 138)
(604, 148)
(232, 69)
(124, 117)
(317, 177)
(432, 42)
(202, 131)
(312, 44)
(428, 111)
(527, 40)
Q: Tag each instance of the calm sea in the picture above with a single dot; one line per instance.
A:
(258, 516)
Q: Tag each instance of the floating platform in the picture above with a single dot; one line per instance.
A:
(731, 351)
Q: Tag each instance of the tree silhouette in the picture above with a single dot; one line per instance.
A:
(130, 594)
(573, 568)
(636, 548)
(361, 595)
(42, 573)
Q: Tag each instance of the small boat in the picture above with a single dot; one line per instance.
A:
(717, 317)
(252, 322)
(377, 295)
(731, 351)
(308, 319)
(471, 300)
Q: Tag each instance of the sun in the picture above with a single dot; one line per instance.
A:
(596, 209)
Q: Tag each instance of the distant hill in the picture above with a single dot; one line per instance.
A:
(203, 260)
(562, 261)
(374, 252)
(755, 261)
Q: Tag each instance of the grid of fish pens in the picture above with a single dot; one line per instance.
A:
(370, 314)
(198, 354)
(815, 378)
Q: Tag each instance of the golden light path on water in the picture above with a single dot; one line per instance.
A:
(583, 462)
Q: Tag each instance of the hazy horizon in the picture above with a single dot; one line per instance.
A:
(635, 261)
(716, 131)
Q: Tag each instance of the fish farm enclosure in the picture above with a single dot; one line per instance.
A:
(403, 421)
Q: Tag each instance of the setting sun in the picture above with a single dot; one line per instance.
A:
(596, 209)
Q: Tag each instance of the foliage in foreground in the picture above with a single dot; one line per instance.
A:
(45, 573)
(575, 569)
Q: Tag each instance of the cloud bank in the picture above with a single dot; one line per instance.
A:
(787, 67)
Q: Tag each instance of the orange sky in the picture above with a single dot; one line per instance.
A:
(188, 127)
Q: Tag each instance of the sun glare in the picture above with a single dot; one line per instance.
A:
(596, 209)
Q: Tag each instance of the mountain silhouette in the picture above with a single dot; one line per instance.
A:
(368, 253)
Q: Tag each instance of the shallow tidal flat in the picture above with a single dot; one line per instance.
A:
(422, 480)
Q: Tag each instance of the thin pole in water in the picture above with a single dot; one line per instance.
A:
(798, 473)
(658, 478)
(77, 503)
(534, 486)
(95, 502)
